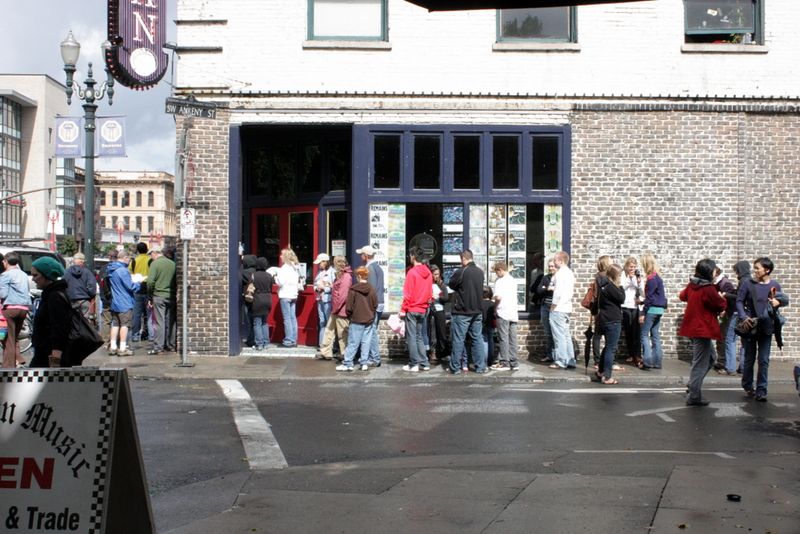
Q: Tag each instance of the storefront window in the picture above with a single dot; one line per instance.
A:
(339, 165)
(427, 161)
(505, 151)
(301, 240)
(467, 162)
(337, 233)
(311, 169)
(545, 162)
(387, 161)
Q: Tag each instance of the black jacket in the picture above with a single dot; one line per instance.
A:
(262, 300)
(51, 325)
(609, 301)
(467, 286)
(81, 283)
(248, 268)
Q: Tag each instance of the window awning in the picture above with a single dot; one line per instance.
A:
(455, 5)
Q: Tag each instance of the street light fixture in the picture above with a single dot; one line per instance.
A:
(70, 51)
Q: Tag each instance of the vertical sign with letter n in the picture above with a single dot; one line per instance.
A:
(137, 28)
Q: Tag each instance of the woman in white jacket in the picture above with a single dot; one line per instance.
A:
(288, 281)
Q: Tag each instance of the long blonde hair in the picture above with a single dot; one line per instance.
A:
(603, 263)
(339, 263)
(288, 256)
(614, 273)
(649, 264)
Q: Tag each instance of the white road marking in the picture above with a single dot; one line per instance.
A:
(260, 445)
(479, 406)
(665, 417)
(729, 409)
(611, 390)
(723, 455)
(656, 411)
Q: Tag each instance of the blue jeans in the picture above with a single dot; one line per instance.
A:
(730, 344)
(323, 313)
(463, 327)
(651, 341)
(374, 350)
(415, 323)
(359, 336)
(761, 344)
(260, 330)
(488, 345)
(140, 315)
(426, 338)
(610, 332)
(288, 310)
(548, 332)
(563, 349)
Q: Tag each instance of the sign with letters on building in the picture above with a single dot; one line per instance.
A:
(138, 29)
(71, 460)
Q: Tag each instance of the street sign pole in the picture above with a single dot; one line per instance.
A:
(181, 171)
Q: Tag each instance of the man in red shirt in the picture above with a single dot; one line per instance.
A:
(417, 294)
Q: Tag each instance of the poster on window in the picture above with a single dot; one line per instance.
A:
(497, 217)
(453, 218)
(553, 232)
(396, 255)
(517, 219)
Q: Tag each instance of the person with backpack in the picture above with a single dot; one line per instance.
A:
(608, 320)
(105, 297)
(590, 303)
(140, 326)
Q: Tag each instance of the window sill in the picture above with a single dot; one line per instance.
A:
(693, 48)
(535, 47)
(347, 45)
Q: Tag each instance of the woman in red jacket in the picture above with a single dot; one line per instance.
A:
(703, 305)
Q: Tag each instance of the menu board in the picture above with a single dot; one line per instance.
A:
(396, 255)
(379, 239)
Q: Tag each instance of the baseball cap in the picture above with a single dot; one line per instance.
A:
(321, 257)
(366, 249)
(79, 256)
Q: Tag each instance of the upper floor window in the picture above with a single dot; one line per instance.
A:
(151, 199)
(723, 21)
(347, 20)
(549, 24)
(114, 198)
(138, 199)
(126, 199)
(102, 198)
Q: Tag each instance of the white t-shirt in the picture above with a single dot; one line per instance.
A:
(506, 288)
(288, 282)
(564, 280)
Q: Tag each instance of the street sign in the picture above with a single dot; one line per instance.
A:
(187, 223)
(189, 107)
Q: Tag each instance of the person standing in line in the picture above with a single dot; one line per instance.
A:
(323, 283)
(440, 298)
(81, 285)
(16, 297)
(288, 281)
(633, 285)
(544, 295)
(123, 289)
(506, 311)
(248, 268)
(161, 288)
(743, 277)
(536, 275)
(488, 318)
(603, 263)
(51, 324)
(608, 320)
(338, 323)
(360, 307)
(105, 297)
(700, 323)
(757, 302)
(563, 284)
(262, 303)
(417, 293)
(467, 317)
(140, 265)
(726, 352)
(375, 279)
(655, 304)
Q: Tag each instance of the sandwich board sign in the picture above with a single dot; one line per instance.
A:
(71, 460)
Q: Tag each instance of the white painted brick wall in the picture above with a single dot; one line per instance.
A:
(628, 49)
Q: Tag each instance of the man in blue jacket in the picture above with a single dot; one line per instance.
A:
(81, 285)
(123, 289)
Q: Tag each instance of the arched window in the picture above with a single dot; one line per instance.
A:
(102, 222)
(138, 199)
(126, 199)
(102, 198)
(114, 198)
(139, 224)
(114, 222)
(127, 222)
(151, 199)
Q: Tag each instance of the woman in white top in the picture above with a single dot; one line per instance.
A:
(288, 281)
(633, 284)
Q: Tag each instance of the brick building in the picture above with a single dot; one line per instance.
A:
(608, 129)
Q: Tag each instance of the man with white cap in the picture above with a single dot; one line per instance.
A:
(161, 288)
(323, 282)
(375, 279)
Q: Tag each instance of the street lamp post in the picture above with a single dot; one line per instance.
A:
(70, 51)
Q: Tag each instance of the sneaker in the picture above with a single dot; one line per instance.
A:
(761, 398)
(465, 369)
(364, 367)
(411, 368)
(514, 368)
(344, 367)
(482, 371)
(126, 352)
(698, 402)
(424, 368)
(112, 352)
(500, 367)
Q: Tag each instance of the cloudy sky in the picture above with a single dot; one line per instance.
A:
(30, 38)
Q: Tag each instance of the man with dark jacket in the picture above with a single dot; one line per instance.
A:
(248, 268)
(361, 305)
(81, 285)
(467, 319)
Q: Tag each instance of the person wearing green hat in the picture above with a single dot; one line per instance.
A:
(51, 323)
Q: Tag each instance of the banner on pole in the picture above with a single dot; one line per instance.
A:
(111, 141)
(69, 137)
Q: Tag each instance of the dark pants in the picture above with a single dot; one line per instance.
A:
(442, 339)
(633, 333)
(756, 347)
(165, 324)
(15, 320)
(610, 331)
(140, 327)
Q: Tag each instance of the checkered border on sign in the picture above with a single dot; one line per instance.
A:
(102, 460)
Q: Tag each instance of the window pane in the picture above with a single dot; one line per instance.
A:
(348, 18)
(301, 232)
(720, 16)
(551, 23)
(311, 169)
(467, 162)
(426, 162)
(545, 163)
(339, 155)
(283, 170)
(337, 228)
(267, 232)
(387, 161)
(506, 162)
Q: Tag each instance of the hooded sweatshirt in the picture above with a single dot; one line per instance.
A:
(417, 289)
(81, 284)
(703, 305)
(361, 303)
(122, 287)
(248, 268)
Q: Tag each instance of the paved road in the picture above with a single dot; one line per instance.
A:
(497, 450)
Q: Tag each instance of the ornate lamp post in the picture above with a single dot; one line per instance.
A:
(70, 51)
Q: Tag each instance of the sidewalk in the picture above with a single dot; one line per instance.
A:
(299, 364)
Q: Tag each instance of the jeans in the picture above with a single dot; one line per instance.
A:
(761, 344)
(415, 323)
(289, 312)
(507, 336)
(703, 356)
(248, 321)
(563, 348)
(374, 349)
(609, 331)
(260, 331)
(488, 345)
(426, 338)
(139, 315)
(730, 344)
(633, 335)
(651, 341)
(323, 313)
(358, 336)
(463, 327)
(548, 332)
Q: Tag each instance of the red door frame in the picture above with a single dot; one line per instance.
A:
(307, 319)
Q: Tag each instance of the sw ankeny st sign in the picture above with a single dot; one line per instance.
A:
(191, 108)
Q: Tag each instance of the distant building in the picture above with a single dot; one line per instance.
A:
(137, 202)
